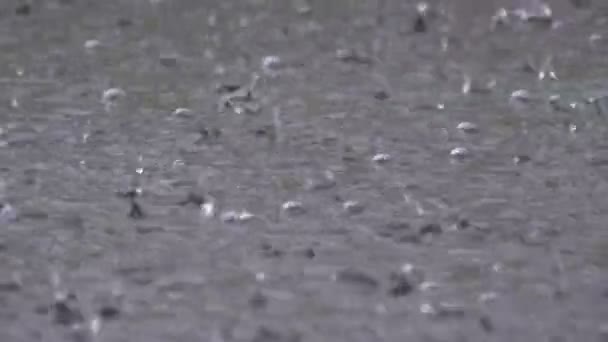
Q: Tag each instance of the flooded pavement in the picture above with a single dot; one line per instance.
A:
(271, 170)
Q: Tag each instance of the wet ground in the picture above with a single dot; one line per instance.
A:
(272, 170)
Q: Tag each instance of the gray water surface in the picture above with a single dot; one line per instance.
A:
(361, 190)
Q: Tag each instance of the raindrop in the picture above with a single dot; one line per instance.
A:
(468, 127)
(459, 152)
(594, 38)
(428, 285)
(236, 216)
(427, 309)
(271, 64)
(469, 86)
(324, 181)
(487, 297)
(353, 207)
(521, 159)
(112, 95)
(521, 95)
(381, 158)
(352, 56)
(95, 325)
(293, 207)
(182, 112)
(546, 70)
(92, 44)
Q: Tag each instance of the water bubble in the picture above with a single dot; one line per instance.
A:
(381, 158)
(487, 297)
(521, 159)
(92, 44)
(521, 95)
(459, 152)
(181, 112)
(293, 207)
(468, 127)
(208, 209)
(428, 286)
(271, 64)
(427, 309)
(353, 207)
(236, 216)
(353, 56)
(595, 38)
(112, 95)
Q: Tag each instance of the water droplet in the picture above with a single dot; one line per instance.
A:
(381, 158)
(459, 152)
(92, 44)
(487, 296)
(521, 95)
(182, 112)
(260, 276)
(112, 95)
(467, 127)
(293, 207)
(236, 216)
(353, 207)
(427, 309)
